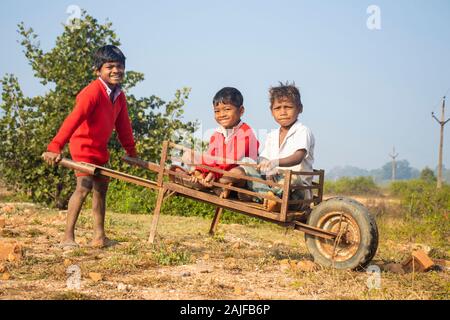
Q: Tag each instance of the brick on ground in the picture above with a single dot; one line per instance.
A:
(419, 262)
(10, 251)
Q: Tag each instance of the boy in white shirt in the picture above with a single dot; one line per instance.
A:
(291, 147)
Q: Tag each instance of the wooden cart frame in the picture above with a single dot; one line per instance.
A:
(339, 232)
(166, 188)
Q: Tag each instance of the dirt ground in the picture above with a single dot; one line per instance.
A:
(255, 261)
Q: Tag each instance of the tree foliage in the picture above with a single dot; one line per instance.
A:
(27, 124)
(403, 171)
(427, 175)
(352, 186)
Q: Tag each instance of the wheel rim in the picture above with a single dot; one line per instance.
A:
(346, 244)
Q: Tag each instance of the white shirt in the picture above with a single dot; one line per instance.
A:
(229, 133)
(298, 137)
(117, 90)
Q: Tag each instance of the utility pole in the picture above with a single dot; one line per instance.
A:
(442, 123)
(393, 155)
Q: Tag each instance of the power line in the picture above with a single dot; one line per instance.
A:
(393, 155)
(437, 104)
(442, 123)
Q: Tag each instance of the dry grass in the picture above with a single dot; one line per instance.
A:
(255, 261)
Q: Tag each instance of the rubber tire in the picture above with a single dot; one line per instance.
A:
(367, 227)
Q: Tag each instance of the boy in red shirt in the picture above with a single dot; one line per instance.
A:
(233, 141)
(100, 108)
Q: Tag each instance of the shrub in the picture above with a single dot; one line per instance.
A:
(427, 207)
(27, 124)
(421, 197)
(352, 186)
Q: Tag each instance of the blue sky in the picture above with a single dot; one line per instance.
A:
(363, 90)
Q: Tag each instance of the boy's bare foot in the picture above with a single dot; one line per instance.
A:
(223, 193)
(103, 242)
(272, 205)
(191, 181)
(68, 244)
(226, 192)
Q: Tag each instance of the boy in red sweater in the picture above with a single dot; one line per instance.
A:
(232, 141)
(100, 108)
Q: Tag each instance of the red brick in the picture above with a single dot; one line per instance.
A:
(419, 262)
(11, 251)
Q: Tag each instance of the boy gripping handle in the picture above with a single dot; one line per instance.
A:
(100, 108)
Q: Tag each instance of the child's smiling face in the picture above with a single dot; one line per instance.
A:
(112, 73)
(227, 115)
(285, 112)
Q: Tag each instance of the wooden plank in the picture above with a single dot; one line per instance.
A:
(127, 178)
(162, 163)
(162, 191)
(321, 182)
(304, 187)
(306, 173)
(215, 221)
(78, 166)
(156, 214)
(252, 204)
(141, 163)
(286, 194)
(315, 231)
(226, 203)
(292, 215)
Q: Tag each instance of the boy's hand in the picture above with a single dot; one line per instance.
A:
(266, 166)
(207, 180)
(196, 176)
(51, 158)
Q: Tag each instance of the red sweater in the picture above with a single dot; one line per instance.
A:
(90, 125)
(242, 143)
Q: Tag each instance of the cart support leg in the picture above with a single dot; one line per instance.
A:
(215, 220)
(156, 214)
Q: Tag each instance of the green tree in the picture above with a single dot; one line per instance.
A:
(428, 175)
(403, 171)
(27, 124)
(353, 186)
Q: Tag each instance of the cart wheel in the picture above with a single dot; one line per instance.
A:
(357, 240)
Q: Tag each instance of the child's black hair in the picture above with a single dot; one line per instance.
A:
(286, 90)
(106, 54)
(229, 95)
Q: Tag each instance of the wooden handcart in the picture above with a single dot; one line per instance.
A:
(339, 232)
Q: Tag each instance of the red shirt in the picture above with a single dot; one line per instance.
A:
(89, 126)
(241, 143)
